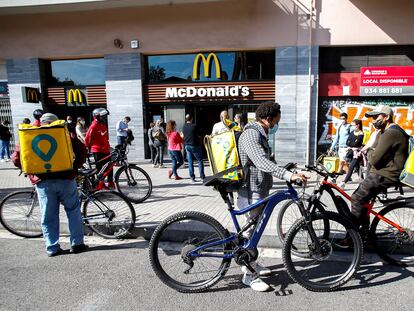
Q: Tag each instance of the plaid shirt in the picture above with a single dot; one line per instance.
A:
(253, 145)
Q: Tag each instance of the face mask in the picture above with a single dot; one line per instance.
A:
(274, 129)
(378, 124)
(69, 121)
(82, 122)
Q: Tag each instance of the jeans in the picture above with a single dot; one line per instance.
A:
(5, 148)
(153, 153)
(159, 148)
(121, 140)
(177, 160)
(195, 152)
(51, 192)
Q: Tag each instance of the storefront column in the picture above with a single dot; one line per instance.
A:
(124, 98)
(22, 73)
(296, 139)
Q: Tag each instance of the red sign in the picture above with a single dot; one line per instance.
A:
(387, 76)
(339, 84)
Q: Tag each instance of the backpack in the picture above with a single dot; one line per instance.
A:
(158, 134)
(407, 175)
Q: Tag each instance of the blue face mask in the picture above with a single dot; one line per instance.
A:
(274, 129)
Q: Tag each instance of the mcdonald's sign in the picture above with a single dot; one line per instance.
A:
(30, 94)
(75, 97)
(200, 58)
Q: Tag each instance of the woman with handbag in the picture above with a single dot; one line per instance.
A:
(354, 143)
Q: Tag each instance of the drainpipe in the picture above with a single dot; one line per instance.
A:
(308, 158)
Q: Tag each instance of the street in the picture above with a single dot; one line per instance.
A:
(116, 275)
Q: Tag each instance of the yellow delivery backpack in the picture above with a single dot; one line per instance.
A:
(223, 154)
(45, 149)
(407, 175)
(331, 164)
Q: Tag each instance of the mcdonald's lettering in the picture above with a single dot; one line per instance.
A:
(30, 95)
(206, 65)
(75, 96)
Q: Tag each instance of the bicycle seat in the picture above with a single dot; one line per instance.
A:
(221, 183)
(87, 172)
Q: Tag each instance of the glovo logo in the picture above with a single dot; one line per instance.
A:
(32, 96)
(75, 96)
(207, 65)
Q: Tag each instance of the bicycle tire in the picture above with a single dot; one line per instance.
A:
(140, 189)
(162, 240)
(324, 282)
(109, 214)
(284, 225)
(20, 214)
(399, 246)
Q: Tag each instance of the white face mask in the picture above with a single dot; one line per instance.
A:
(82, 122)
(69, 121)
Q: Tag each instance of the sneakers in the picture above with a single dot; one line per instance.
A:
(262, 271)
(256, 284)
(155, 165)
(111, 185)
(8, 160)
(2, 160)
(169, 174)
(76, 249)
(193, 180)
(57, 253)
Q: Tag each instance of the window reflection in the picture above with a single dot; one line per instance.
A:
(77, 72)
(235, 66)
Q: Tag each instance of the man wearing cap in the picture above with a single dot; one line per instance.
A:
(55, 188)
(387, 157)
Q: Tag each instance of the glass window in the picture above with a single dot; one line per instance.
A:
(80, 72)
(234, 66)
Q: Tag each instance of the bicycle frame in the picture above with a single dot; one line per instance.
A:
(271, 201)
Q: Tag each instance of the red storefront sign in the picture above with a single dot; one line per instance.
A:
(339, 84)
(387, 81)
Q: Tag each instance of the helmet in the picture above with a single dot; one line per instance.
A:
(38, 113)
(100, 113)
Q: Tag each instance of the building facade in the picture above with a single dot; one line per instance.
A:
(152, 59)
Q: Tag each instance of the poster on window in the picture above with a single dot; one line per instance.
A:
(330, 108)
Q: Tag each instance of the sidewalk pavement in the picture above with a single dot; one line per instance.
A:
(170, 196)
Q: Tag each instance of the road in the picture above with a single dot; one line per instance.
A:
(116, 275)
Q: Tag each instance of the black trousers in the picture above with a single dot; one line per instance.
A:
(98, 156)
(368, 189)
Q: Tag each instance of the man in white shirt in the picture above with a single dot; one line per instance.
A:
(220, 127)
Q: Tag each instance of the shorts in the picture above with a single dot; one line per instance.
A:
(342, 153)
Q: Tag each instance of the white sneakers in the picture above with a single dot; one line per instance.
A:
(4, 160)
(256, 283)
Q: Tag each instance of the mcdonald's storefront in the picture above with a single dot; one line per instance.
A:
(204, 84)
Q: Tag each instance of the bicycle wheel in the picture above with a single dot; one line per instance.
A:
(109, 214)
(134, 183)
(289, 214)
(329, 266)
(20, 214)
(178, 235)
(391, 245)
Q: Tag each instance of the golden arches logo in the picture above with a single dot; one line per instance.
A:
(207, 65)
(32, 95)
(75, 96)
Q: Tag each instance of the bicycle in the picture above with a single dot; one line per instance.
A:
(391, 231)
(191, 251)
(130, 179)
(107, 213)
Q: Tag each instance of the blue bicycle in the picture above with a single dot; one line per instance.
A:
(191, 251)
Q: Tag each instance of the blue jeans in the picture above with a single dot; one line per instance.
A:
(5, 148)
(121, 140)
(177, 160)
(195, 152)
(51, 192)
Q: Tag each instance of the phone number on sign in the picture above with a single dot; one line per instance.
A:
(391, 90)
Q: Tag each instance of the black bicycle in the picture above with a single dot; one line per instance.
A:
(107, 213)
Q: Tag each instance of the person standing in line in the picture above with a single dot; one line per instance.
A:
(354, 143)
(122, 130)
(254, 151)
(151, 146)
(221, 127)
(5, 137)
(70, 124)
(81, 129)
(340, 139)
(159, 138)
(192, 147)
(240, 120)
(174, 149)
(58, 188)
(36, 115)
(97, 141)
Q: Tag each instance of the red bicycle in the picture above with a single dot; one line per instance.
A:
(389, 228)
